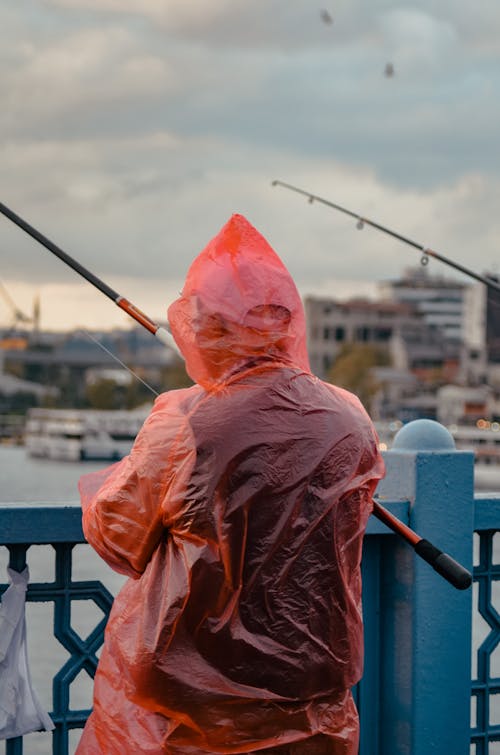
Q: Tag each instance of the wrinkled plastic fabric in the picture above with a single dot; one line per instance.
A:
(20, 709)
(239, 516)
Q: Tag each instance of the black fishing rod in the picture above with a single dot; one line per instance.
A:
(161, 333)
(440, 562)
(425, 251)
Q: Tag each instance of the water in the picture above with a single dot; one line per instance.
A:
(39, 480)
(23, 479)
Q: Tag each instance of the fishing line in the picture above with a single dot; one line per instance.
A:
(113, 356)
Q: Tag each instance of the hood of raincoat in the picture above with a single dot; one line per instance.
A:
(239, 305)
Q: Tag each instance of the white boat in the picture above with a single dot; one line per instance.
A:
(82, 434)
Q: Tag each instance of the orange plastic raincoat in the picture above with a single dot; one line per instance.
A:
(239, 516)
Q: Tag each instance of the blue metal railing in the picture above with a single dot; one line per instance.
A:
(486, 680)
(22, 526)
(415, 695)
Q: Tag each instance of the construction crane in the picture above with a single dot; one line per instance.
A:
(18, 316)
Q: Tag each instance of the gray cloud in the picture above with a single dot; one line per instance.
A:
(129, 138)
(418, 128)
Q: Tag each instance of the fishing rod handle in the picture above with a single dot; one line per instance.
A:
(444, 564)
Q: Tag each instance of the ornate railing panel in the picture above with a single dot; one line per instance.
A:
(21, 527)
(485, 708)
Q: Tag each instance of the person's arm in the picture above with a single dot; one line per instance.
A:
(122, 505)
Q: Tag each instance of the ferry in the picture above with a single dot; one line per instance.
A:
(82, 434)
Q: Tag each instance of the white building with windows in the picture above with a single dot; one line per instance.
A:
(331, 324)
(441, 301)
(396, 327)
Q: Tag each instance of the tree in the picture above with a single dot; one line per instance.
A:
(175, 376)
(353, 370)
(104, 394)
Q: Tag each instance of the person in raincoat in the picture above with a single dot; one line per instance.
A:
(239, 517)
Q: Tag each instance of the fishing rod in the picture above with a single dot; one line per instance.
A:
(425, 251)
(441, 562)
(161, 333)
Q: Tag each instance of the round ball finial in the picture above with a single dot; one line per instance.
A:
(423, 435)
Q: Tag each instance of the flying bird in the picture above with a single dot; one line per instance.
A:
(326, 17)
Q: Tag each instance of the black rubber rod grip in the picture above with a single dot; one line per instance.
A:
(445, 565)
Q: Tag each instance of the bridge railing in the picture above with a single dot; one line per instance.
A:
(432, 658)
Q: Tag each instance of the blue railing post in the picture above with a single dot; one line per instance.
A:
(426, 625)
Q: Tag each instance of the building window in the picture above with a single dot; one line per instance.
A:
(339, 334)
(363, 334)
(382, 334)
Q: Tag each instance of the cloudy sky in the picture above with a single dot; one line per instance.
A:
(130, 130)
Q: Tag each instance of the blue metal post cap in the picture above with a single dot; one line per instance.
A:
(423, 435)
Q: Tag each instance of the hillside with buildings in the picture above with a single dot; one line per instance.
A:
(117, 369)
(439, 337)
(427, 346)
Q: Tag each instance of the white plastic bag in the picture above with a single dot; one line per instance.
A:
(20, 709)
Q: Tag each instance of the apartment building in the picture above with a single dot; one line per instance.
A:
(397, 327)
(441, 301)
